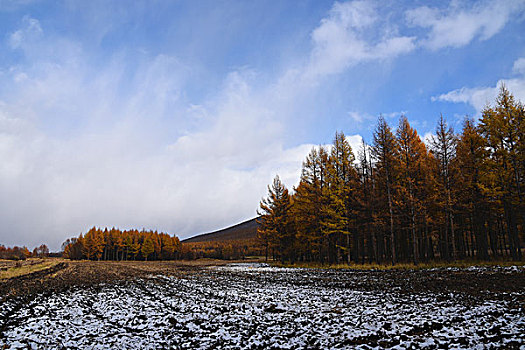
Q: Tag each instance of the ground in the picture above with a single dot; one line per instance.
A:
(214, 304)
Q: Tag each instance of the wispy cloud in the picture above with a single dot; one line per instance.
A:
(462, 22)
(480, 97)
(26, 35)
(369, 118)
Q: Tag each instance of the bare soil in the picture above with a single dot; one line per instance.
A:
(67, 274)
(194, 305)
(475, 282)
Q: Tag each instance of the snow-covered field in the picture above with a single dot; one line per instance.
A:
(258, 307)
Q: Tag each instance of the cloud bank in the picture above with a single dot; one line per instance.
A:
(84, 144)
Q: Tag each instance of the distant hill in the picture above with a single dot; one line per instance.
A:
(244, 230)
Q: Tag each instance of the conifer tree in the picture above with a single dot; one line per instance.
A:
(339, 212)
(470, 157)
(135, 245)
(412, 152)
(147, 248)
(114, 244)
(276, 224)
(309, 200)
(443, 146)
(167, 246)
(365, 170)
(384, 151)
(500, 126)
(93, 244)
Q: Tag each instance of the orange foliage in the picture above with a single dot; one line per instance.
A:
(113, 244)
(231, 249)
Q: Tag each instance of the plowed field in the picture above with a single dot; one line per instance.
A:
(254, 306)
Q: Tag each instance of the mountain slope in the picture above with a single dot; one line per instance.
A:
(244, 230)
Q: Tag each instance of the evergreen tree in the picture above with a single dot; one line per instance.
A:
(276, 224)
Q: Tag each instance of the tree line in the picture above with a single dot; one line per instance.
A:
(114, 244)
(462, 196)
(228, 249)
(22, 253)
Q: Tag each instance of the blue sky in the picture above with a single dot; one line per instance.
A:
(175, 115)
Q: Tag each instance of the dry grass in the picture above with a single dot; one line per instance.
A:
(403, 266)
(19, 268)
(10, 268)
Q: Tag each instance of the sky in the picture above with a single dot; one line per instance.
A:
(176, 115)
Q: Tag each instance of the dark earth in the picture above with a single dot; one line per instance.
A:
(254, 306)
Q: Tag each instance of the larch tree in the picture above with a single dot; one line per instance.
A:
(341, 180)
(93, 244)
(365, 172)
(412, 153)
(500, 126)
(276, 225)
(147, 248)
(309, 199)
(470, 158)
(400, 202)
(443, 146)
(113, 244)
(384, 151)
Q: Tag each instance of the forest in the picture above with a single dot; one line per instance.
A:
(228, 249)
(114, 244)
(460, 196)
(22, 253)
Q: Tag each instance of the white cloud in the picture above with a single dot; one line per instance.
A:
(519, 66)
(480, 97)
(54, 187)
(342, 40)
(461, 22)
(84, 145)
(476, 97)
(122, 167)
